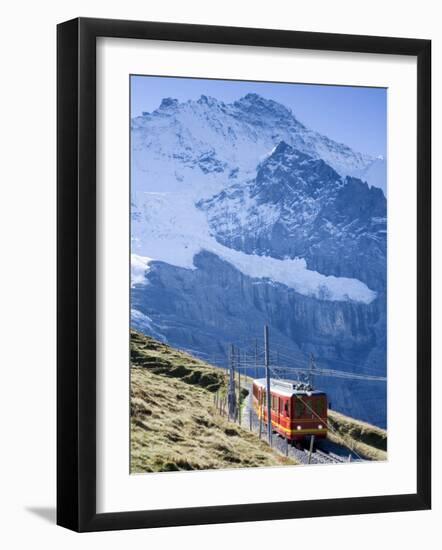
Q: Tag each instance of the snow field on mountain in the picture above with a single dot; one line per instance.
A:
(171, 229)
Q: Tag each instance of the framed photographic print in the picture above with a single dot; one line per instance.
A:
(243, 274)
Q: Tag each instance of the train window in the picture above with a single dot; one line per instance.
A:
(299, 408)
(320, 406)
(286, 408)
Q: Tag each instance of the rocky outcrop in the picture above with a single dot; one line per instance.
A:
(298, 206)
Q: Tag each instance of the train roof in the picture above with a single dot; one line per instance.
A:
(288, 387)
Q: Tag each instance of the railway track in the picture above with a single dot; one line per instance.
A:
(327, 457)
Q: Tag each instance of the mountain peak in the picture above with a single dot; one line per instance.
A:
(257, 103)
(287, 166)
(208, 100)
(282, 148)
(253, 97)
(168, 103)
(288, 155)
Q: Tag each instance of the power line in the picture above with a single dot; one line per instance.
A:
(334, 373)
(267, 367)
(298, 357)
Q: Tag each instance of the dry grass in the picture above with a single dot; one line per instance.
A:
(367, 440)
(174, 424)
(161, 359)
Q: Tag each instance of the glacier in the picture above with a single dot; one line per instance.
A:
(175, 231)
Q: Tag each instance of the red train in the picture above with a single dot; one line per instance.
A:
(297, 410)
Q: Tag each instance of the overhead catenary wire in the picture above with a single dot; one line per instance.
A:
(282, 351)
(250, 359)
(319, 360)
(334, 373)
(301, 364)
(286, 361)
(250, 366)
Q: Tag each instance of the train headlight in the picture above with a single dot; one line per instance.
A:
(298, 428)
(320, 427)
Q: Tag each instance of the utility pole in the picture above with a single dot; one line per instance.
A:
(312, 441)
(239, 387)
(311, 370)
(261, 412)
(267, 367)
(256, 358)
(231, 396)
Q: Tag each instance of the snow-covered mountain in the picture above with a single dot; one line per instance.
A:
(201, 146)
(297, 206)
(241, 216)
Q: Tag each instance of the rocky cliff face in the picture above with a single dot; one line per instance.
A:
(298, 206)
(241, 216)
(206, 308)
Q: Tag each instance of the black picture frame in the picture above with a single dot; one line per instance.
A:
(76, 274)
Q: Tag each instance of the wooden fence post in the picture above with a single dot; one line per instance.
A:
(260, 413)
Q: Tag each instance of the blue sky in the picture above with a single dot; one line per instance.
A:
(351, 115)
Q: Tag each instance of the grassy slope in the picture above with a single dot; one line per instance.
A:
(174, 425)
(367, 440)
